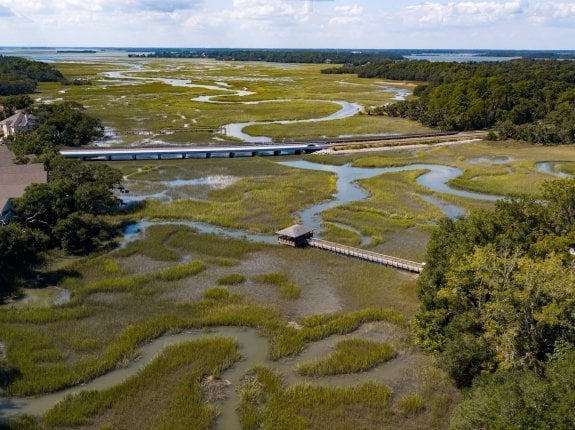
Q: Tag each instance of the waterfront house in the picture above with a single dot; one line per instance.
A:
(18, 123)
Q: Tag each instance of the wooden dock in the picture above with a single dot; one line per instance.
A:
(365, 255)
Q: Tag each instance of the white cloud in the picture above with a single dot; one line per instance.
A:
(270, 10)
(551, 13)
(347, 14)
(457, 14)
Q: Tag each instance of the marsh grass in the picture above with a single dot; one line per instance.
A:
(299, 92)
(153, 245)
(266, 404)
(223, 262)
(181, 271)
(232, 279)
(337, 234)
(277, 279)
(356, 125)
(411, 404)
(217, 294)
(287, 290)
(183, 407)
(290, 291)
(261, 204)
(350, 356)
(287, 341)
(211, 245)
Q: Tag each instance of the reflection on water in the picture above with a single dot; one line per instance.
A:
(490, 160)
(549, 167)
(41, 297)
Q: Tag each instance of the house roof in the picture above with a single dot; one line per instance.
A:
(295, 231)
(19, 119)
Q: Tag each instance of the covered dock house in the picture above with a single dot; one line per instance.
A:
(296, 235)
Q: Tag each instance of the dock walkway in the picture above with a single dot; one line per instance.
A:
(365, 255)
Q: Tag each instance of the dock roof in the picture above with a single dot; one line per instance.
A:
(295, 231)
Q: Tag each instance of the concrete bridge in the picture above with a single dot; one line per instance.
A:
(139, 153)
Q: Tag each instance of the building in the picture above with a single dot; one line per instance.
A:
(14, 178)
(296, 235)
(18, 123)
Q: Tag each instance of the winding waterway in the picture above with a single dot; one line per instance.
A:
(235, 130)
(436, 179)
(254, 350)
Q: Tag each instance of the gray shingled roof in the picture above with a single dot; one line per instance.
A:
(295, 231)
(19, 119)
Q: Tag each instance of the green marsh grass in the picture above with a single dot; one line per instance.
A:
(292, 93)
(260, 204)
(335, 233)
(350, 356)
(287, 290)
(356, 125)
(216, 293)
(266, 404)
(153, 244)
(277, 279)
(290, 291)
(287, 341)
(232, 279)
(411, 404)
(165, 394)
(181, 271)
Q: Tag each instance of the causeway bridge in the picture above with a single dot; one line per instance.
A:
(167, 152)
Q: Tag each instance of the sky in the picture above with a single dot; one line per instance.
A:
(352, 24)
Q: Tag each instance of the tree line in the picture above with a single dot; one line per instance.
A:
(277, 56)
(530, 100)
(498, 305)
(21, 76)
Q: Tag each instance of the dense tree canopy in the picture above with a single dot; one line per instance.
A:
(498, 297)
(522, 399)
(531, 100)
(11, 104)
(20, 76)
(498, 290)
(279, 55)
(20, 251)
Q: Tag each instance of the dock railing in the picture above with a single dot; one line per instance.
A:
(363, 254)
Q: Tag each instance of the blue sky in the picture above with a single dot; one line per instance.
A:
(290, 23)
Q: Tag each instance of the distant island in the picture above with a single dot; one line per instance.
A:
(77, 51)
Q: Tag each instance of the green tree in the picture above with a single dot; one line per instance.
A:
(81, 234)
(21, 250)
